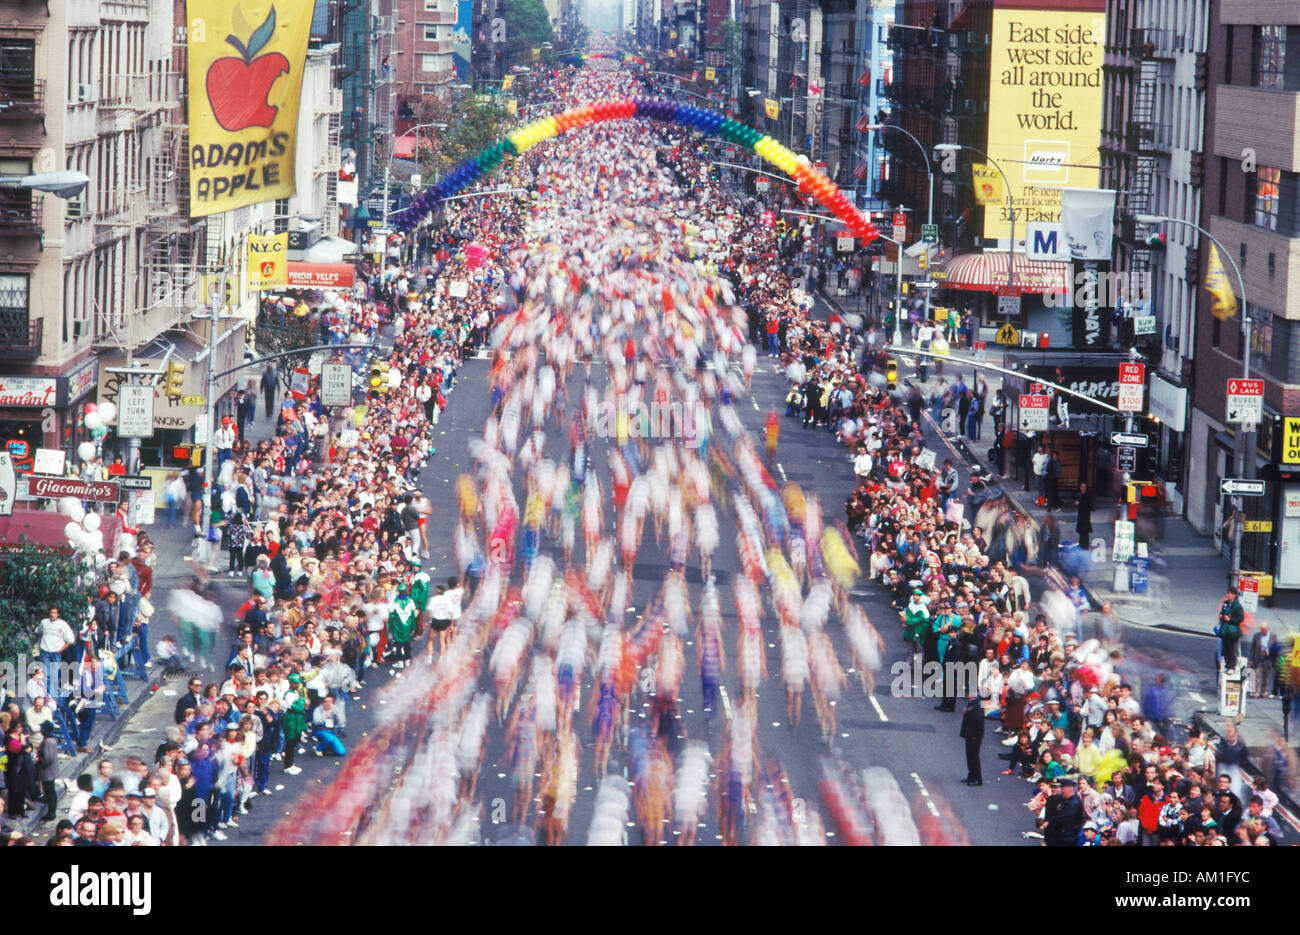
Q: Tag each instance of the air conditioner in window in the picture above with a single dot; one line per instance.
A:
(181, 34)
(75, 208)
(85, 92)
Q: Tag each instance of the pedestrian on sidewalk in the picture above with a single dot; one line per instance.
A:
(1052, 481)
(1264, 650)
(1228, 629)
(1083, 501)
(270, 380)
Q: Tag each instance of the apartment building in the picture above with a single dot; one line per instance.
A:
(1153, 132)
(1251, 203)
(424, 42)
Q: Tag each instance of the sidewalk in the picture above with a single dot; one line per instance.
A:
(144, 719)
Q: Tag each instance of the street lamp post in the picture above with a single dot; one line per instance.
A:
(388, 168)
(1243, 443)
(929, 216)
(1011, 207)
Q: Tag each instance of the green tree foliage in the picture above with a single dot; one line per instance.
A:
(528, 27)
(277, 332)
(732, 36)
(479, 122)
(32, 580)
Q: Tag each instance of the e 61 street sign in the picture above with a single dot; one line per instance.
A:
(1240, 487)
(1130, 439)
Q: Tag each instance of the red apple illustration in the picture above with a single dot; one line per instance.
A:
(238, 87)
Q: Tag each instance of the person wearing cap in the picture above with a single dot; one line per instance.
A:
(1063, 816)
(293, 721)
(402, 620)
(223, 439)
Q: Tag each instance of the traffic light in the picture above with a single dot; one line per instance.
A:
(1156, 240)
(174, 385)
(891, 374)
(378, 378)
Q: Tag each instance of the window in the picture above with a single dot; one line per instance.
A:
(431, 6)
(429, 63)
(1268, 197)
(430, 33)
(14, 320)
(1270, 57)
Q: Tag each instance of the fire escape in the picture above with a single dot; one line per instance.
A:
(1146, 143)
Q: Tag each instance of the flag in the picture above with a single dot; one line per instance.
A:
(860, 173)
(864, 79)
(988, 184)
(772, 107)
(863, 122)
(1216, 283)
(243, 108)
(709, 74)
(507, 82)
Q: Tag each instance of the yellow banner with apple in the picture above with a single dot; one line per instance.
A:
(1045, 103)
(246, 63)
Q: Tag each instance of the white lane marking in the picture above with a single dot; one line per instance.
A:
(925, 794)
(880, 712)
(781, 468)
(1195, 696)
(753, 402)
(726, 701)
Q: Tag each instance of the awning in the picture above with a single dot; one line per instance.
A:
(987, 272)
(325, 250)
(45, 528)
(404, 147)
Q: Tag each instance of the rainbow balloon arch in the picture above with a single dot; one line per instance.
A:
(809, 180)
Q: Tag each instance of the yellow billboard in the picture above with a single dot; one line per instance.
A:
(268, 261)
(1044, 110)
(246, 61)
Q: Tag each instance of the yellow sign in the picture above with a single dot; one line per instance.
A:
(1045, 106)
(246, 62)
(709, 74)
(988, 184)
(1007, 334)
(268, 261)
(512, 106)
(772, 107)
(1257, 525)
(940, 314)
(507, 82)
(537, 53)
(194, 400)
(1291, 441)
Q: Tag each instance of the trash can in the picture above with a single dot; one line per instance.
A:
(1137, 580)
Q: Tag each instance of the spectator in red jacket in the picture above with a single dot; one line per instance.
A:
(1149, 807)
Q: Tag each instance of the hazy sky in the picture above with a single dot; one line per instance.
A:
(602, 14)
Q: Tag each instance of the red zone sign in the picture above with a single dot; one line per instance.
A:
(42, 487)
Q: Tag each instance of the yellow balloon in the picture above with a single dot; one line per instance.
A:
(550, 127)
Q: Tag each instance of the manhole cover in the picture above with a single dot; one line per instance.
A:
(175, 676)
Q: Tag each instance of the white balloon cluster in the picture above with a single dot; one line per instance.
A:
(83, 529)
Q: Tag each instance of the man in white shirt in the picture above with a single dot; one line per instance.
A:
(55, 636)
(223, 439)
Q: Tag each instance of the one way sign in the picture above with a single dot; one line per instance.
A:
(1239, 487)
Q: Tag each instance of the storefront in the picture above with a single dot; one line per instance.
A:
(41, 416)
(1035, 303)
